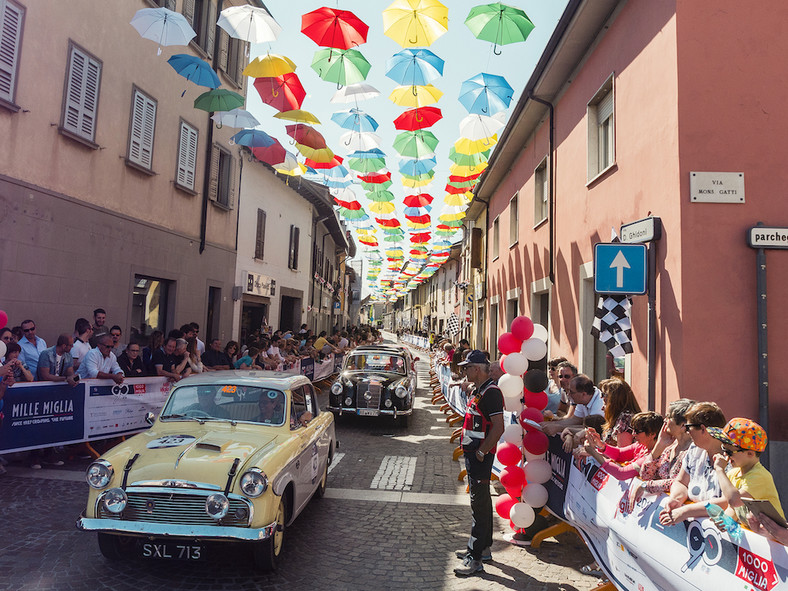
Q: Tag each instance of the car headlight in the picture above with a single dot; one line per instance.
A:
(401, 391)
(254, 483)
(348, 401)
(217, 505)
(336, 388)
(99, 473)
(115, 500)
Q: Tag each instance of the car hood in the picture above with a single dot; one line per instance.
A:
(192, 452)
(384, 377)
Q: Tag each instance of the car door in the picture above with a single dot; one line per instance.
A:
(307, 462)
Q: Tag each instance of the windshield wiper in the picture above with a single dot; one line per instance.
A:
(177, 416)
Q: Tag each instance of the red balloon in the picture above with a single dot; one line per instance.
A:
(515, 492)
(3, 319)
(537, 400)
(503, 505)
(501, 363)
(513, 477)
(507, 343)
(522, 328)
(509, 454)
(535, 442)
(532, 414)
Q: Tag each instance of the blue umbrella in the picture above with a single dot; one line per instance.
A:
(367, 154)
(414, 67)
(354, 120)
(252, 138)
(194, 70)
(418, 210)
(415, 167)
(485, 94)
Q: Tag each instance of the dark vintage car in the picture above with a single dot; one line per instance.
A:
(375, 380)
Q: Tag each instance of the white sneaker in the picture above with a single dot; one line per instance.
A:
(35, 466)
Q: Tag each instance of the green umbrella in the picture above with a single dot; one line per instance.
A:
(394, 231)
(366, 165)
(343, 66)
(450, 223)
(218, 99)
(415, 144)
(392, 238)
(419, 177)
(463, 184)
(375, 186)
(380, 195)
(499, 24)
(351, 214)
(466, 159)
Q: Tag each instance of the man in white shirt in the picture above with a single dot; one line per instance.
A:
(83, 331)
(101, 362)
(588, 399)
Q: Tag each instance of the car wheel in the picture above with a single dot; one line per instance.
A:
(110, 546)
(321, 488)
(266, 553)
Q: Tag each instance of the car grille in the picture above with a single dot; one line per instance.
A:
(374, 389)
(177, 508)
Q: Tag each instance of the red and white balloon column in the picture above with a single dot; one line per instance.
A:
(524, 395)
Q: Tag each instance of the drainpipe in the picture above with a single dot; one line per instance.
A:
(550, 186)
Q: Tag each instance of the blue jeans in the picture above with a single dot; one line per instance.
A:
(481, 503)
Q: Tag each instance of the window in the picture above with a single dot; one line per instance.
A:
(292, 258)
(201, 15)
(259, 242)
(496, 238)
(541, 188)
(514, 220)
(232, 57)
(601, 130)
(11, 21)
(512, 310)
(142, 128)
(187, 157)
(221, 189)
(493, 347)
(150, 301)
(80, 104)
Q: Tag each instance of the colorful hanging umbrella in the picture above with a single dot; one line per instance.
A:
(414, 67)
(381, 207)
(419, 219)
(467, 146)
(466, 170)
(419, 200)
(415, 23)
(499, 24)
(417, 181)
(354, 120)
(163, 26)
(343, 66)
(372, 186)
(415, 96)
(415, 144)
(448, 224)
(380, 196)
(415, 167)
(194, 70)
(376, 178)
(273, 154)
(252, 138)
(418, 226)
(298, 115)
(269, 65)
(420, 237)
(333, 163)
(218, 99)
(249, 23)
(366, 164)
(420, 118)
(485, 94)
(316, 154)
(459, 189)
(348, 204)
(466, 159)
(329, 27)
(355, 93)
(461, 179)
(360, 140)
(235, 118)
(477, 127)
(283, 93)
(373, 153)
(290, 166)
(306, 135)
(352, 214)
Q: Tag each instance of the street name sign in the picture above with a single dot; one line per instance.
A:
(620, 269)
(763, 237)
(717, 187)
(644, 230)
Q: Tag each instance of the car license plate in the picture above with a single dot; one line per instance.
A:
(172, 551)
(368, 412)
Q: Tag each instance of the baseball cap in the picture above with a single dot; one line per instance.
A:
(475, 356)
(741, 433)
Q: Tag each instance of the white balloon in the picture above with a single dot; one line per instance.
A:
(513, 405)
(2, 349)
(533, 349)
(538, 471)
(540, 333)
(511, 433)
(515, 364)
(535, 495)
(529, 457)
(522, 515)
(511, 386)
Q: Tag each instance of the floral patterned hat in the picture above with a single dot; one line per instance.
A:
(741, 433)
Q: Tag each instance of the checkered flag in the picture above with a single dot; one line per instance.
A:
(612, 325)
(425, 324)
(453, 326)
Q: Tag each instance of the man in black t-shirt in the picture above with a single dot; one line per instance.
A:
(164, 360)
(215, 358)
(481, 430)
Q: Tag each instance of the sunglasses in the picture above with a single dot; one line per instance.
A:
(565, 376)
(29, 329)
(730, 452)
(688, 426)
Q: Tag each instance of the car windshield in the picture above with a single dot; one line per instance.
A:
(375, 362)
(226, 402)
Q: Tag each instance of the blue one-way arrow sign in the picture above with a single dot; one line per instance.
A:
(620, 268)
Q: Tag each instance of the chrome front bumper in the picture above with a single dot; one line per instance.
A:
(169, 530)
(384, 411)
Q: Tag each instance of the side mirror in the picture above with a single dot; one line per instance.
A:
(150, 418)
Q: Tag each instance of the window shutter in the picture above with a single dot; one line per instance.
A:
(169, 5)
(240, 63)
(82, 89)
(211, 27)
(213, 182)
(232, 184)
(605, 108)
(143, 124)
(10, 37)
(187, 157)
(188, 11)
(296, 236)
(224, 46)
(259, 246)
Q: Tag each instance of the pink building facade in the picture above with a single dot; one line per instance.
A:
(644, 95)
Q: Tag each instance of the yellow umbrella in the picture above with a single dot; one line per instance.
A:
(417, 226)
(299, 116)
(468, 146)
(287, 169)
(415, 23)
(415, 96)
(269, 66)
(381, 207)
(457, 170)
(322, 155)
(416, 183)
(460, 199)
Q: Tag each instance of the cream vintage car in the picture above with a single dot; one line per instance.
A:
(234, 456)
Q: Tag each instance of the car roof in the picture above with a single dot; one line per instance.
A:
(383, 348)
(240, 377)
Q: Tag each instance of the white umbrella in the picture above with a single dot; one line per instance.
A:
(478, 127)
(360, 140)
(289, 166)
(163, 26)
(355, 92)
(249, 23)
(235, 118)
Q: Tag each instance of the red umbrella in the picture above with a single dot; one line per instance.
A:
(354, 205)
(456, 190)
(419, 200)
(418, 118)
(420, 238)
(330, 27)
(392, 223)
(283, 93)
(463, 179)
(273, 154)
(306, 135)
(376, 178)
(335, 161)
(419, 219)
